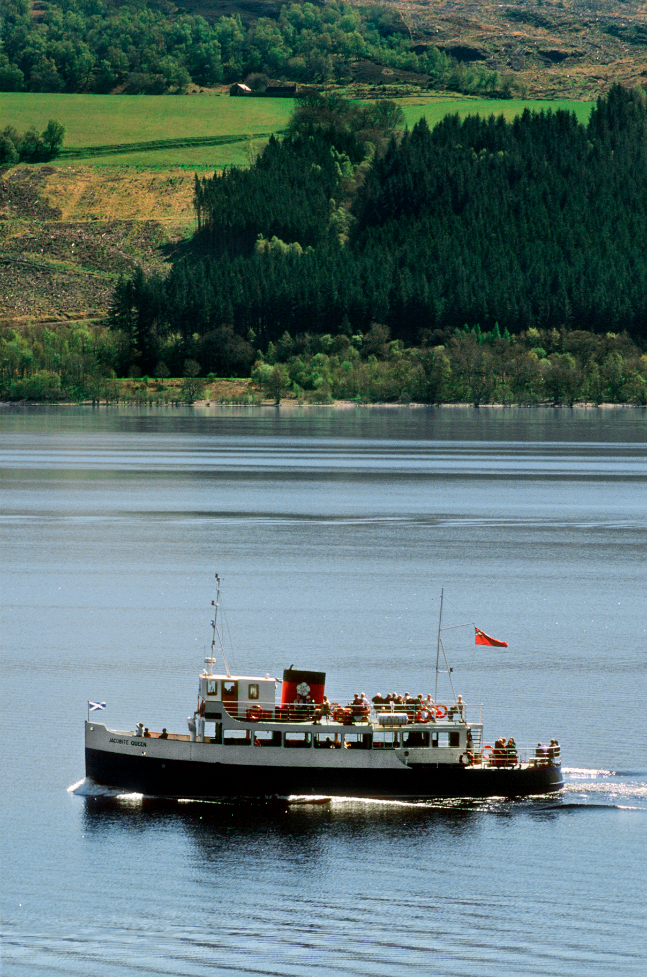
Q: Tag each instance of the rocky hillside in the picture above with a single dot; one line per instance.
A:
(557, 48)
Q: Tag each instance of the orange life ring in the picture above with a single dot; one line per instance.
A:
(466, 759)
(487, 752)
(441, 711)
(423, 716)
(339, 715)
(254, 713)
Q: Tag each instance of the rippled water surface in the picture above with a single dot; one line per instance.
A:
(334, 532)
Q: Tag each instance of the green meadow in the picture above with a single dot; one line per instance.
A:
(152, 131)
(435, 109)
(201, 131)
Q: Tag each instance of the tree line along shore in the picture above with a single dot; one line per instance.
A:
(76, 363)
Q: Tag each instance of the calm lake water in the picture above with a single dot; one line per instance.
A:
(334, 532)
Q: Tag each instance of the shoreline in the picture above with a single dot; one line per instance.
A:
(335, 404)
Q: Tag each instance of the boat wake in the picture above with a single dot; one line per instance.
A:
(591, 788)
(88, 788)
(587, 773)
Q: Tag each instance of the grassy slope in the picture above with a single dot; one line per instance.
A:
(67, 233)
(436, 109)
(189, 130)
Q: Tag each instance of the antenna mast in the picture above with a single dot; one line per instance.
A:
(440, 647)
(440, 621)
(216, 634)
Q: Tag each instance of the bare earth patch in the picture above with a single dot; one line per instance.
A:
(66, 235)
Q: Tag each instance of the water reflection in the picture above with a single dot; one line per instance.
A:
(343, 817)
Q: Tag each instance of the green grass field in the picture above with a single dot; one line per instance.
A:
(200, 131)
(436, 108)
(186, 130)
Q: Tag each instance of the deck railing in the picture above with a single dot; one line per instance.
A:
(387, 714)
(492, 756)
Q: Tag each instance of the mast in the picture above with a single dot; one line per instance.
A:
(440, 647)
(216, 634)
(440, 621)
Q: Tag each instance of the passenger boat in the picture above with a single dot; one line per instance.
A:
(243, 744)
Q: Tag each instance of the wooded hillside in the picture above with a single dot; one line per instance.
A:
(134, 47)
(536, 223)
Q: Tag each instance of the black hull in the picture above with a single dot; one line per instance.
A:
(217, 781)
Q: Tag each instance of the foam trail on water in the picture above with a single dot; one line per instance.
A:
(88, 788)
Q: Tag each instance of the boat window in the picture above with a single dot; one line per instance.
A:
(252, 692)
(434, 739)
(440, 739)
(237, 737)
(416, 738)
(266, 737)
(230, 691)
(454, 739)
(385, 741)
(323, 741)
(357, 741)
(298, 740)
(212, 686)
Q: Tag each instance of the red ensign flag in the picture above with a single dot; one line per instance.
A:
(484, 639)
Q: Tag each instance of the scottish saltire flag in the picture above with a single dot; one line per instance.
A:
(93, 706)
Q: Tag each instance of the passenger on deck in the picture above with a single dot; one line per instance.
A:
(359, 709)
(147, 734)
(499, 752)
(378, 700)
(321, 711)
(553, 751)
(191, 724)
(540, 754)
(469, 742)
(511, 752)
(139, 729)
(457, 710)
(409, 705)
(163, 735)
